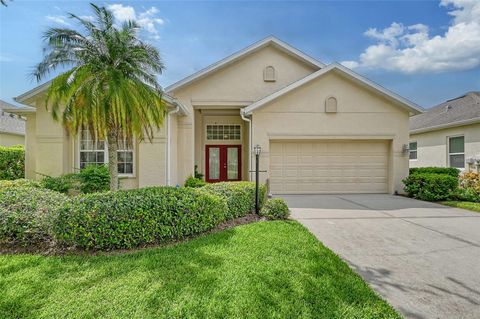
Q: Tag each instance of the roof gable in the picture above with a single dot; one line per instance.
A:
(270, 41)
(410, 106)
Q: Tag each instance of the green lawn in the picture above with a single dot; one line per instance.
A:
(260, 270)
(465, 205)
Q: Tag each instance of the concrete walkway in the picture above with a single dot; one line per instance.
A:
(424, 258)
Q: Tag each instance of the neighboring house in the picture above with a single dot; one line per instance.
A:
(12, 127)
(322, 128)
(447, 135)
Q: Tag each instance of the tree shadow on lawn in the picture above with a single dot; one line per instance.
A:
(262, 270)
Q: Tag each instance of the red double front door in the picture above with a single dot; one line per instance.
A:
(223, 163)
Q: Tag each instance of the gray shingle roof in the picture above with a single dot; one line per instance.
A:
(461, 110)
(10, 123)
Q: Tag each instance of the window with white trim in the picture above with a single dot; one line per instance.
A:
(412, 147)
(96, 153)
(456, 151)
(227, 132)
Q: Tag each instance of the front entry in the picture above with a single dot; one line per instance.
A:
(223, 163)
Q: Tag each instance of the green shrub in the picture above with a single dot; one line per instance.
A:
(12, 162)
(131, 218)
(94, 178)
(27, 214)
(194, 182)
(275, 208)
(468, 194)
(62, 183)
(430, 187)
(240, 196)
(435, 170)
(21, 182)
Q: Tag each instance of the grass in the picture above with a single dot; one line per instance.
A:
(260, 270)
(465, 205)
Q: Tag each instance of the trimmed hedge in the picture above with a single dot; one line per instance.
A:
(275, 208)
(240, 196)
(132, 218)
(61, 184)
(12, 162)
(430, 187)
(19, 183)
(436, 170)
(27, 214)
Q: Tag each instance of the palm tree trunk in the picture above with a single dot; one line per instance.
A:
(112, 139)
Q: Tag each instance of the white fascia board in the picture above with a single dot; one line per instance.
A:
(236, 56)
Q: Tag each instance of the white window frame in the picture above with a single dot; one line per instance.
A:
(448, 150)
(105, 158)
(410, 151)
(223, 124)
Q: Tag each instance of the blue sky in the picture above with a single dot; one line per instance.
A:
(426, 51)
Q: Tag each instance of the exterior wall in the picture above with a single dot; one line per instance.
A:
(51, 151)
(432, 146)
(300, 115)
(237, 85)
(50, 148)
(7, 139)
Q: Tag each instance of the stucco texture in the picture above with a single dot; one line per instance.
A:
(432, 147)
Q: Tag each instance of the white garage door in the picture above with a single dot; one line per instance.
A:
(302, 167)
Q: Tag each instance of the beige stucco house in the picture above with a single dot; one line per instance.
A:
(12, 126)
(322, 128)
(447, 135)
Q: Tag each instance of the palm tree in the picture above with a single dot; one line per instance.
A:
(110, 89)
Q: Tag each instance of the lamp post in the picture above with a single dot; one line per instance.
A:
(257, 149)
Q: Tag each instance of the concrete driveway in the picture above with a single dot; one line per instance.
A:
(424, 258)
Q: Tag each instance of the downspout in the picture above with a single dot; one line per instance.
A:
(169, 142)
(242, 114)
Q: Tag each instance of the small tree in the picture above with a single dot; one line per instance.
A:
(111, 87)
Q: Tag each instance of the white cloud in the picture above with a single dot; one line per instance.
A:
(411, 49)
(148, 19)
(58, 19)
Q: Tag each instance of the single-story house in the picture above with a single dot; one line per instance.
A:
(322, 128)
(447, 135)
(12, 126)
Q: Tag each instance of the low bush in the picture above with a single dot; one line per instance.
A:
(240, 196)
(94, 178)
(12, 162)
(468, 194)
(470, 180)
(19, 183)
(430, 187)
(62, 183)
(131, 218)
(435, 170)
(194, 182)
(275, 208)
(27, 214)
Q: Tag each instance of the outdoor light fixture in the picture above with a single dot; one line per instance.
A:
(257, 149)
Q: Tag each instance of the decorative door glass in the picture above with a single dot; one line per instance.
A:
(232, 163)
(214, 163)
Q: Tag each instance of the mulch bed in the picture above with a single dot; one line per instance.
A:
(50, 249)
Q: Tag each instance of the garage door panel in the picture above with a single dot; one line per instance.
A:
(329, 167)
